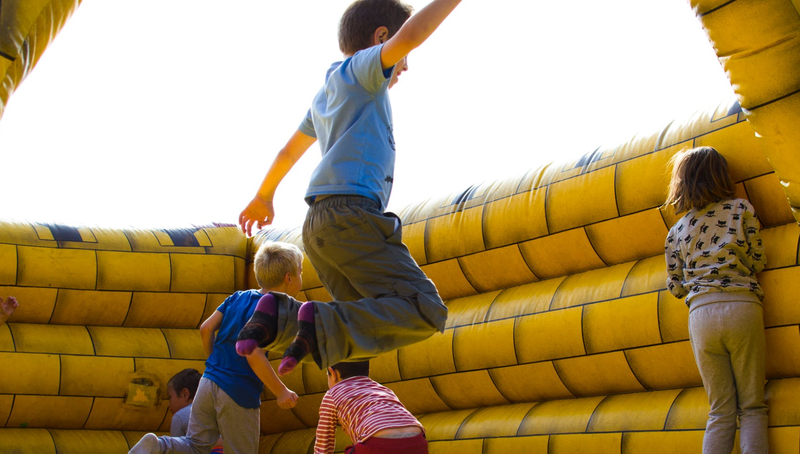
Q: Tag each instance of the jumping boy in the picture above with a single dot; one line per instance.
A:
(368, 412)
(228, 398)
(383, 300)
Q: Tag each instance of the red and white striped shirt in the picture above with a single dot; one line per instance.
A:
(362, 407)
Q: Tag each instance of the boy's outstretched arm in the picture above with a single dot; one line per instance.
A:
(260, 364)
(416, 30)
(259, 211)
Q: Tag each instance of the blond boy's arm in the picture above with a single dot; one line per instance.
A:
(208, 331)
(260, 211)
(416, 30)
(260, 364)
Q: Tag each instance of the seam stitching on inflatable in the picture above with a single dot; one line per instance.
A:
(672, 407)
(546, 217)
(491, 378)
(55, 303)
(166, 341)
(627, 360)
(524, 418)
(89, 413)
(797, 253)
(583, 331)
(750, 109)
(128, 312)
(658, 315)
(589, 239)
(10, 410)
(433, 385)
(464, 422)
(589, 422)
(463, 273)
(716, 9)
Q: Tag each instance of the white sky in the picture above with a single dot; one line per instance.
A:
(168, 113)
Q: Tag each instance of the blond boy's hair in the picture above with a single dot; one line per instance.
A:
(273, 260)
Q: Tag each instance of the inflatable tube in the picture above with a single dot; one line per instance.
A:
(27, 27)
(758, 45)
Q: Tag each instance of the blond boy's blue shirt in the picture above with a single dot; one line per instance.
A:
(230, 371)
(351, 117)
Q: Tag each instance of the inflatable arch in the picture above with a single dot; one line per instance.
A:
(561, 336)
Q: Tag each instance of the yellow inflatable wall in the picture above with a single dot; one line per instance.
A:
(562, 337)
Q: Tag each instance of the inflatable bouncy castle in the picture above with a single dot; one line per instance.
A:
(562, 337)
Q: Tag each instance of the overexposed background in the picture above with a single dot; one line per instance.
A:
(154, 113)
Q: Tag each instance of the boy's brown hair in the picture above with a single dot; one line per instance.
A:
(363, 17)
(185, 379)
(699, 177)
(353, 369)
(273, 260)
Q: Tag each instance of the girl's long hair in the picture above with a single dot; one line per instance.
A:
(699, 177)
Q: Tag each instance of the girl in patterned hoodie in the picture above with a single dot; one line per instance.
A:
(713, 254)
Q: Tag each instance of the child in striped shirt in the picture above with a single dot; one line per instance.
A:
(368, 412)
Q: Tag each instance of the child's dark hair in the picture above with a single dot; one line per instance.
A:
(188, 379)
(355, 369)
(363, 17)
(699, 177)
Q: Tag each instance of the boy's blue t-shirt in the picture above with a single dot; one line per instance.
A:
(225, 367)
(351, 117)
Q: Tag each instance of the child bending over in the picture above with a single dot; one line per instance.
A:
(368, 412)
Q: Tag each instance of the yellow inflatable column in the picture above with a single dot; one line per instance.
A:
(26, 28)
(758, 44)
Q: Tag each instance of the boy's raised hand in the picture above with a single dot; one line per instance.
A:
(287, 399)
(259, 212)
(415, 31)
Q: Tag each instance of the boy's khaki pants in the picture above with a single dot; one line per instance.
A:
(382, 299)
(214, 413)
